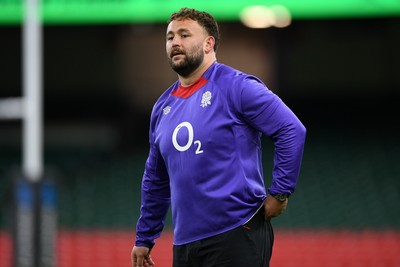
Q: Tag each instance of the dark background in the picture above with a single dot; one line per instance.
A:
(341, 77)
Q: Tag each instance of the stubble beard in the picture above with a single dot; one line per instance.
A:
(189, 63)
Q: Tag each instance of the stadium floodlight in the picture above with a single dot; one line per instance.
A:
(156, 11)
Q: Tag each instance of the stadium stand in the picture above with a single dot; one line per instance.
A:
(349, 189)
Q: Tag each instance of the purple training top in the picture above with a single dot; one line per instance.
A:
(205, 155)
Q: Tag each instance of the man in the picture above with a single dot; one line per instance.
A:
(205, 156)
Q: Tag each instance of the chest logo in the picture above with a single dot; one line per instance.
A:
(166, 110)
(206, 99)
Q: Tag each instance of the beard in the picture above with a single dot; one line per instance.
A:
(189, 63)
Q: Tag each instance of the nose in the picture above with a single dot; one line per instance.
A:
(175, 41)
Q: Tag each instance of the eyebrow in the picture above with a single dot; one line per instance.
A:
(181, 30)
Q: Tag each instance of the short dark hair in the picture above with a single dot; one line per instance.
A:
(205, 20)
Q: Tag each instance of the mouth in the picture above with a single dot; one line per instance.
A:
(176, 53)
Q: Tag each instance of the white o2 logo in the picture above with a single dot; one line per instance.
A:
(189, 128)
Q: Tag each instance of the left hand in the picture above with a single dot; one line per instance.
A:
(274, 207)
(141, 257)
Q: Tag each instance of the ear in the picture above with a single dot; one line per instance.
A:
(209, 44)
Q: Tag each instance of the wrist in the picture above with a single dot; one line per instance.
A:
(144, 243)
(280, 197)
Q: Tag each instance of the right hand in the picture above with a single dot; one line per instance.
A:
(141, 257)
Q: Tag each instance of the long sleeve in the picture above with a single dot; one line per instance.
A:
(156, 196)
(267, 113)
(206, 159)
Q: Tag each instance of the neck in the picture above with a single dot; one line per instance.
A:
(195, 75)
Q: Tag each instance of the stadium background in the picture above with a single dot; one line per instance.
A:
(340, 76)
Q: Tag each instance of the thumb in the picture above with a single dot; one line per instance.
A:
(149, 260)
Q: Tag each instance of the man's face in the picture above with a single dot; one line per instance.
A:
(185, 46)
